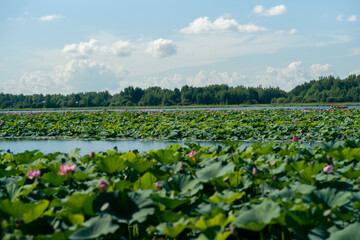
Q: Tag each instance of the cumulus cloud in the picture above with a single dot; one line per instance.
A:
(274, 11)
(200, 79)
(351, 18)
(82, 49)
(285, 78)
(294, 74)
(120, 49)
(78, 75)
(204, 78)
(317, 70)
(204, 25)
(86, 49)
(48, 18)
(162, 48)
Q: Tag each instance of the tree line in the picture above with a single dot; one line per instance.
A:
(324, 90)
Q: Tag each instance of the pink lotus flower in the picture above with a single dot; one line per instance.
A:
(65, 169)
(328, 168)
(295, 139)
(254, 171)
(192, 153)
(158, 186)
(33, 173)
(102, 185)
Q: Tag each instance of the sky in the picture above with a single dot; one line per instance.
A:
(65, 47)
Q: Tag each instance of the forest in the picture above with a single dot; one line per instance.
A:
(324, 90)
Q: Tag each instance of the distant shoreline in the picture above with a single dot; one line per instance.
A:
(189, 106)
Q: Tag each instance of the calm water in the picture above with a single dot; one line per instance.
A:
(66, 146)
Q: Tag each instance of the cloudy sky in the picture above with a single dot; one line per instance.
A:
(78, 46)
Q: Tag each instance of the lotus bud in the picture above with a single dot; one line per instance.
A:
(102, 185)
(328, 168)
(92, 154)
(254, 171)
(192, 153)
(232, 230)
(295, 139)
(158, 186)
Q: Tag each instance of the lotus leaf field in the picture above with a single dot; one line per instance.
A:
(210, 125)
(273, 190)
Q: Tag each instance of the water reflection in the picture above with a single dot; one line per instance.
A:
(50, 146)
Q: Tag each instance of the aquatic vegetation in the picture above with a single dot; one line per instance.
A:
(210, 125)
(265, 191)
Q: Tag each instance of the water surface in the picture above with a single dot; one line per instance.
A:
(66, 146)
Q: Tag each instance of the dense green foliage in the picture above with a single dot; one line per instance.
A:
(326, 89)
(234, 125)
(152, 96)
(265, 191)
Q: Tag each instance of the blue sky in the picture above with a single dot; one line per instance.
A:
(78, 46)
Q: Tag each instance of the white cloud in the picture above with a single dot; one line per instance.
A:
(356, 72)
(317, 70)
(200, 79)
(355, 52)
(82, 49)
(285, 78)
(120, 49)
(86, 49)
(351, 18)
(162, 48)
(203, 25)
(78, 75)
(48, 18)
(204, 79)
(277, 10)
(290, 32)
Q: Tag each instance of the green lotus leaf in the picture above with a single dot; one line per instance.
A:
(293, 190)
(218, 220)
(184, 184)
(214, 170)
(173, 229)
(345, 154)
(350, 232)
(53, 178)
(28, 212)
(95, 227)
(170, 202)
(28, 156)
(122, 185)
(111, 164)
(226, 196)
(329, 197)
(165, 155)
(258, 216)
(80, 203)
(146, 181)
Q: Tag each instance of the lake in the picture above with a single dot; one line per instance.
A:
(66, 146)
